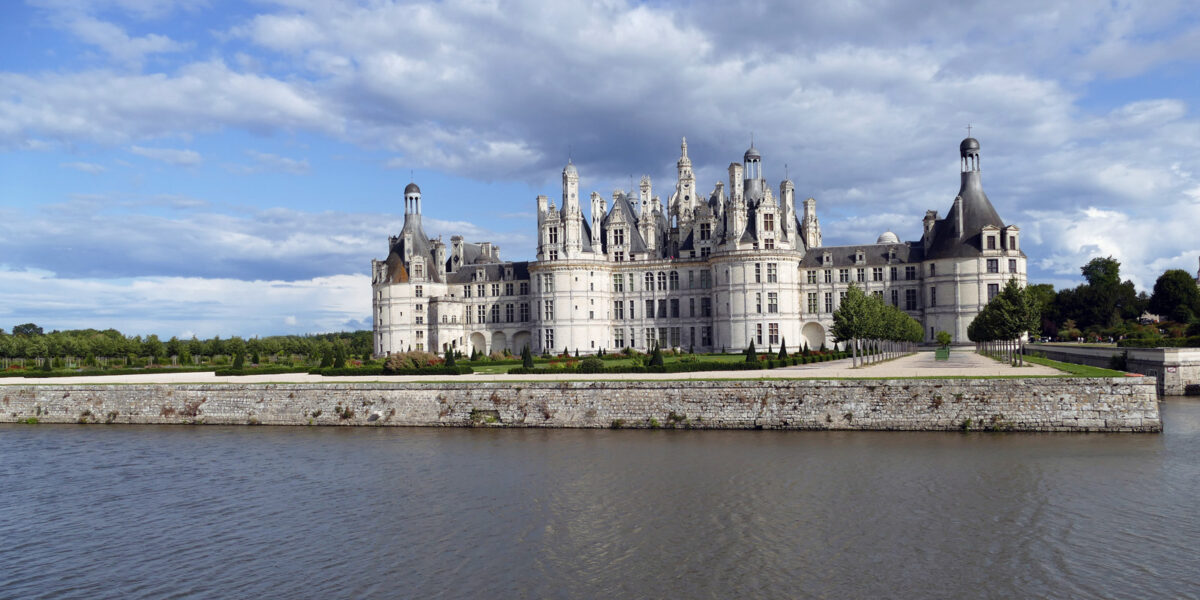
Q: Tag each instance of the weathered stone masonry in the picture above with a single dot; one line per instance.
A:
(1035, 404)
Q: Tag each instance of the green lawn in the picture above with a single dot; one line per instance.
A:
(484, 367)
(1074, 369)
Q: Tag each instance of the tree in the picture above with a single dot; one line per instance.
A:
(944, 338)
(449, 358)
(527, 357)
(1176, 296)
(783, 348)
(27, 330)
(751, 355)
(238, 361)
(851, 320)
(656, 358)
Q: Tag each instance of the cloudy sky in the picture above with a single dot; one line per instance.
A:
(207, 167)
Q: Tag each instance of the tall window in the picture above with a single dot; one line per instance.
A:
(481, 310)
(418, 270)
(910, 299)
(894, 273)
(812, 302)
(618, 237)
(691, 280)
(508, 289)
(618, 309)
(649, 309)
(811, 276)
(861, 274)
(932, 296)
(548, 314)
(662, 281)
(481, 290)
(828, 275)
(896, 298)
(877, 274)
(758, 333)
(495, 289)
(705, 279)
(649, 281)
(828, 302)
(553, 237)
(993, 265)
(548, 282)
(495, 313)
(508, 313)
(772, 273)
(619, 337)
(705, 231)
(662, 309)
(548, 345)
(674, 308)
(991, 243)
(631, 316)
(772, 302)
(524, 288)
(910, 273)
(993, 290)
(618, 283)
(757, 272)
(843, 275)
(706, 307)
(704, 252)
(674, 280)
(524, 312)
(768, 222)
(466, 291)
(691, 307)
(1012, 265)
(773, 333)
(932, 269)
(769, 244)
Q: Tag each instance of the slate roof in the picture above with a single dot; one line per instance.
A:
(493, 272)
(977, 212)
(876, 255)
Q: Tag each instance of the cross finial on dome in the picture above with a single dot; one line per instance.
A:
(968, 130)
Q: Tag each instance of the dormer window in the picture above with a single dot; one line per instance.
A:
(991, 242)
(618, 237)
(860, 257)
(553, 235)
(418, 270)
(768, 222)
(827, 258)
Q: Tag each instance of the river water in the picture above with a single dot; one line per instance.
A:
(294, 512)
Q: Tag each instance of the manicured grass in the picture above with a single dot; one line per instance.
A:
(1074, 369)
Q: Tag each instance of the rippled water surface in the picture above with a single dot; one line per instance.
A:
(294, 512)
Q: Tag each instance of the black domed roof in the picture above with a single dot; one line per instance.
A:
(411, 189)
(752, 153)
(968, 144)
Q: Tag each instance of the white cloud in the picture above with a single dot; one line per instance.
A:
(183, 305)
(264, 161)
(118, 44)
(181, 158)
(86, 167)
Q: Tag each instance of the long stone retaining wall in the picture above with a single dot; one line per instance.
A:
(1177, 370)
(1033, 404)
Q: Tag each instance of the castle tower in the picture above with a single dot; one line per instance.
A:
(753, 179)
(572, 215)
(811, 227)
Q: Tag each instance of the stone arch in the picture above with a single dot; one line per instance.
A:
(520, 340)
(478, 342)
(814, 335)
(499, 341)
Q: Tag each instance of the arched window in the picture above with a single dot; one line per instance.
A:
(662, 281)
(649, 281)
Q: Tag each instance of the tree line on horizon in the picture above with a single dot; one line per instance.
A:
(109, 346)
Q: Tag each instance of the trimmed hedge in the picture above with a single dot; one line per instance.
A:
(333, 372)
(1188, 342)
(260, 371)
(100, 373)
(689, 367)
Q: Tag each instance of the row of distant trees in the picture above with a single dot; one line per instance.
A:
(873, 329)
(1106, 306)
(28, 341)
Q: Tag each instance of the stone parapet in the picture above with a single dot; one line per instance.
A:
(1026, 404)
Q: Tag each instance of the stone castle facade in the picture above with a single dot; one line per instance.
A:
(711, 273)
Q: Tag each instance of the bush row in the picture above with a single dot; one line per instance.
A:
(230, 372)
(36, 372)
(1188, 342)
(440, 370)
(685, 367)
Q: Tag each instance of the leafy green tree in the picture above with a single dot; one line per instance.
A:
(449, 358)
(944, 338)
(1176, 296)
(526, 357)
(238, 361)
(852, 320)
(27, 330)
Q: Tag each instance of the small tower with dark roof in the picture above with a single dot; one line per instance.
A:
(412, 199)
